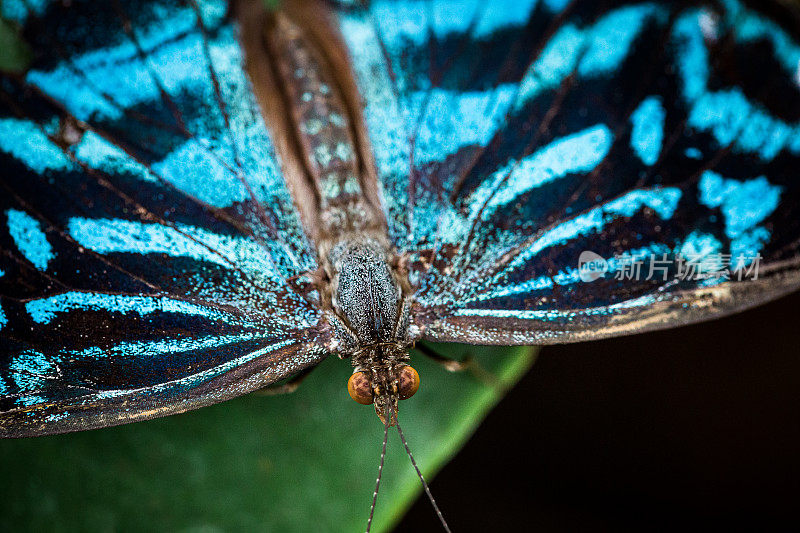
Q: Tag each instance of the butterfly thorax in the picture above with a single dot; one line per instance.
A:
(364, 292)
(370, 316)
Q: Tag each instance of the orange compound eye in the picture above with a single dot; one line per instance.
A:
(360, 388)
(407, 382)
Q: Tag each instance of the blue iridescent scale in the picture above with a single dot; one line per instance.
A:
(161, 250)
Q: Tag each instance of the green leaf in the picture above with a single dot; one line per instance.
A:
(272, 5)
(14, 53)
(300, 462)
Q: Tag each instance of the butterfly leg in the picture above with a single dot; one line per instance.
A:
(288, 386)
(467, 364)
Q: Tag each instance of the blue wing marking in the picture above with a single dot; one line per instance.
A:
(662, 201)
(43, 310)
(453, 120)
(576, 153)
(177, 62)
(751, 26)
(479, 286)
(30, 239)
(500, 15)
(647, 133)
(727, 114)
(609, 41)
(556, 6)
(693, 153)
(83, 82)
(216, 188)
(566, 276)
(100, 154)
(744, 205)
(200, 377)
(594, 50)
(382, 114)
(20, 10)
(409, 22)
(30, 371)
(554, 64)
(704, 250)
(153, 349)
(125, 236)
(548, 315)
(25, 141)
(405, 112)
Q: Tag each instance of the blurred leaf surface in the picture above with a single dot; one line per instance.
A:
(14, 53)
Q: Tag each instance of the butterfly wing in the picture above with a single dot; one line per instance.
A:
(511, 137)
(151, 259)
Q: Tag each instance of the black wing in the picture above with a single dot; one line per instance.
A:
(151, 259)
(512, 137)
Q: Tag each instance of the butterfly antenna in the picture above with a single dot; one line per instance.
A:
(380, 473)
(422, 479)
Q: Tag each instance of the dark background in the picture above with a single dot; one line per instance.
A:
(694, 426)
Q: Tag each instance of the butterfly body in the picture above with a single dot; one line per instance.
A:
(322, 130)
(365, 296)
(370, 316)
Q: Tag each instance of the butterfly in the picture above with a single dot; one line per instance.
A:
(201, 198)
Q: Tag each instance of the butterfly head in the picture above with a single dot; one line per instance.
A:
(384, 386)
